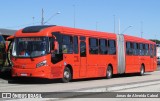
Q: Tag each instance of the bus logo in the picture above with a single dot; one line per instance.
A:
(6, 95)
(23, 66)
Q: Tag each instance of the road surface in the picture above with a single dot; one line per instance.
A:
(150, 82)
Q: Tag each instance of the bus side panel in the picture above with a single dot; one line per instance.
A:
(92, 65)
(101, 70)
(76, 66)
(104, 61)
(136, 63)
(155, 64)
(146, 61)
(97, 65)
(130, 67)
(112, 59)
(56, 71)
(74, 62)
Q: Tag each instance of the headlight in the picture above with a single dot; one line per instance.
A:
(43, 63)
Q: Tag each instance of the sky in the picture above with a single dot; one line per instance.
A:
(100, 15)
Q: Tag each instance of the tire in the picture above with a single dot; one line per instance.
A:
(109, 72)
(142, 71)
(67, 76)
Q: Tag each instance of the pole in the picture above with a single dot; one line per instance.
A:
(119, 29)
(42, 21)
(114, 23)
(96, 26)
(141, 29)
(51, 17)
(155, 39)
(33, 20)
(74, 14)
(126, 29)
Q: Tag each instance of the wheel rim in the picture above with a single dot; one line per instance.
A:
(109, 72)
(142, 70)
(66, 75)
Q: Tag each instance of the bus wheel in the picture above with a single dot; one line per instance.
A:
(109, 72)
(142, 70)
(66, 75)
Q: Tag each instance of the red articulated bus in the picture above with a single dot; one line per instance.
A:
(70, 53)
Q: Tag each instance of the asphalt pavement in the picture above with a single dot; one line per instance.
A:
(119, 83)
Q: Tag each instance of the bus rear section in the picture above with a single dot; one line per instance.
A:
(136, 55)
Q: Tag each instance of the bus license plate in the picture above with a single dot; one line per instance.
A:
(23, 74)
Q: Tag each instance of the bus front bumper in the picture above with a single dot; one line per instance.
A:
(37, 73)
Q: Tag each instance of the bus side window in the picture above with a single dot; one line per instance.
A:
(59, 39)
(103, 46)
(83, 49)
(93, 46)
(75, 44)
(82, 38)
(146, 49)
(112, 47)
(151, 50)
(141, 49)
(51, 40)
(155, 51)
(129, 49)
(135, 49)
(67, 46)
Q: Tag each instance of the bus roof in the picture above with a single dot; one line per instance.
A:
(137, 39)
(47, 30)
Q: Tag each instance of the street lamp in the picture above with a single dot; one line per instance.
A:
(74, 14)
(96, 26)
(52, 17)
(33, 20)
(114, 23)
(126, 29)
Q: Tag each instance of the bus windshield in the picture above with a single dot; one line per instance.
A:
(30, 47)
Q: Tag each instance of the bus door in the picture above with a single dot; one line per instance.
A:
(83, 59)
(2, 52)
(151, 57)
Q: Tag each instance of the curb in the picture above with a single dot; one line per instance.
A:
(3, 81)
